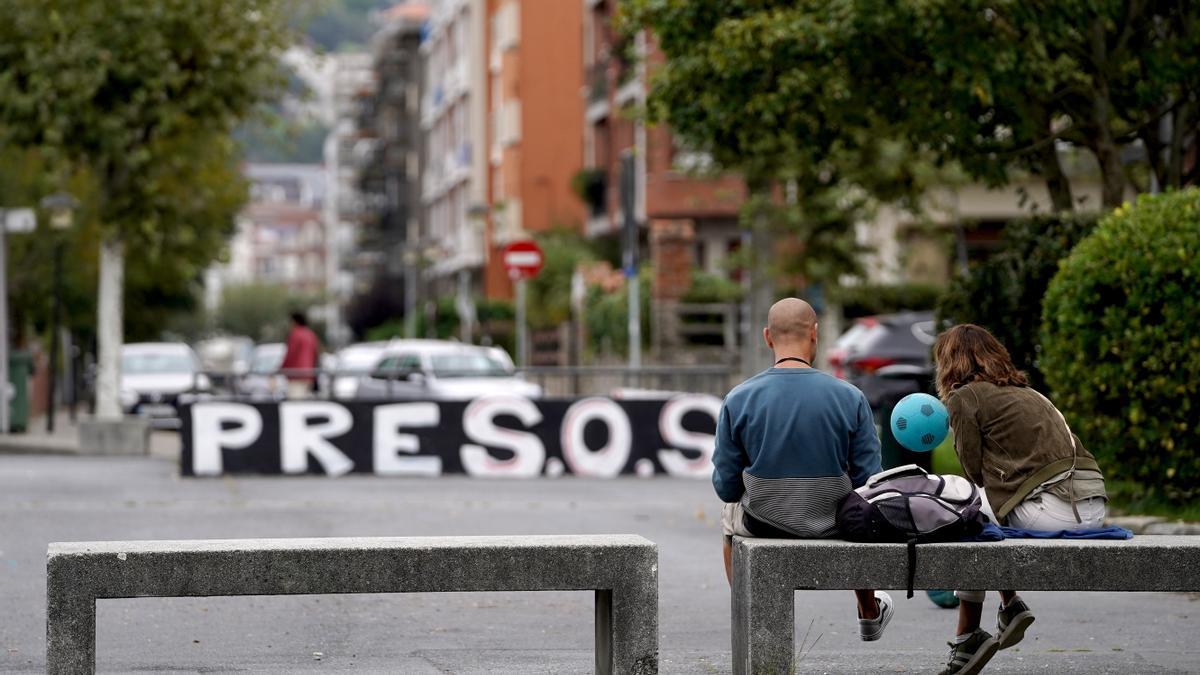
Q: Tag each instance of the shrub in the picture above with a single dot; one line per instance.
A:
(1004, 294)
(870, 299)
(549, 299)
(709, 288)
(1121, 342)
(392, 328)
(607, 317)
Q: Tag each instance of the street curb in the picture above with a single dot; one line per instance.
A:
(1154, 525)
(15, 445)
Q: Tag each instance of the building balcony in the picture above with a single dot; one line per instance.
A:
(597, 91)
(597, 80)
(591, 185)
(456, 82)
(629, 88)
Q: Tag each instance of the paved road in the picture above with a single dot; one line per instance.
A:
(44, 499)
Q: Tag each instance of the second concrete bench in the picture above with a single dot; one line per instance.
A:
(768, 572)
(621, 569)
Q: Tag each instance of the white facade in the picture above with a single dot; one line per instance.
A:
(353, 78)
(453, 120)
(280, 238)
(902, 249)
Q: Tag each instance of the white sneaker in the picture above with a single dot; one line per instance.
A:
(872, 629)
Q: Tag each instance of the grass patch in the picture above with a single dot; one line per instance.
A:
(945, 460)
(1126, 498)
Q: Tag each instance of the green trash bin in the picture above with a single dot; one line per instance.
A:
(20, 367)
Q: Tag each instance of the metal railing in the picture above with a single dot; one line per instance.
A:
(597, 77)
(625, 382)
(554, 381)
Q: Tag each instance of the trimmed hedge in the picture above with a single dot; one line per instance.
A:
(1121, 342)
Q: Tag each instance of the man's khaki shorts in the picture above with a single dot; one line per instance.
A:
(732, 521)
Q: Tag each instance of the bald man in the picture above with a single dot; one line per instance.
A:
(792, 441)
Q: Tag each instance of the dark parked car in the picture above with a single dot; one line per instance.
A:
(898, 346)
(888, 357)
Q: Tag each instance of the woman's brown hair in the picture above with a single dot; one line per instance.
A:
(968, 353)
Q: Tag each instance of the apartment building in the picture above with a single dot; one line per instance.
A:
(346, 150)
(453, 122)
(673, 186)
(279, 238)
(389, 177)
(535, 125)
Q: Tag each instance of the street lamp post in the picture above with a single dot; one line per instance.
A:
(61, 206)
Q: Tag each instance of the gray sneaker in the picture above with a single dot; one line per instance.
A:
(872, 629)
(968, 658)
(1011, 622)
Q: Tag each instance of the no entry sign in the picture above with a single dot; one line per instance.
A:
(523, 260)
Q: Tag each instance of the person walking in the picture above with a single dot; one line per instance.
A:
(301, 358)
(1036, 474)
(791, 442)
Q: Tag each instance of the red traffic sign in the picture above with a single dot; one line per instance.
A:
(523, 259)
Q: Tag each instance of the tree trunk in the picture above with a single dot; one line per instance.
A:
(829, 329)
(1112, 173)
(1057, 183)
(1048, 165)
(110, 329)
(758, 296)
(1177, 125)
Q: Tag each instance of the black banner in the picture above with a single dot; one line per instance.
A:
(490, 436)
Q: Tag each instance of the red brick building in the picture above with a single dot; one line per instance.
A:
(674, 191)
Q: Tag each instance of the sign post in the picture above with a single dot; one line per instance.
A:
(628, 205)
(523, 260)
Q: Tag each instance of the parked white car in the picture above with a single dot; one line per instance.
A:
(442, 371)
(156, 377)
(352, 365)
(264, 382)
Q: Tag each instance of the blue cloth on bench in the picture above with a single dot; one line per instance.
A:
(993, 532)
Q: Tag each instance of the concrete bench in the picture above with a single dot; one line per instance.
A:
(767, 572)
(621, 569)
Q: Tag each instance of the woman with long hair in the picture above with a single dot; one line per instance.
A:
(1035, 473)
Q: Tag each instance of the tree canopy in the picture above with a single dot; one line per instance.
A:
(131, 106)
(779, 88)
(132, 91)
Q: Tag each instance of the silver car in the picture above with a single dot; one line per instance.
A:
(442, 371)
(156, 377)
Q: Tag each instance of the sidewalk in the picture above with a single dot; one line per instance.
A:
(65, 439)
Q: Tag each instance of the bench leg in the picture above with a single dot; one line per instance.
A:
(70, 630)
(764, 624)
(627, 631)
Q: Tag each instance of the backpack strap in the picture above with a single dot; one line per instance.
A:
(912, 564)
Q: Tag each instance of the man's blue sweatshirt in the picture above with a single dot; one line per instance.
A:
(791, 442)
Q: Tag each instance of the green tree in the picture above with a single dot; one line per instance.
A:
(1121, 343)
(160, 284)
(1004, 294)
(258, 311)
(778, 87)
(133, 93)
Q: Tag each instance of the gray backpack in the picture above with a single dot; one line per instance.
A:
(908, 505)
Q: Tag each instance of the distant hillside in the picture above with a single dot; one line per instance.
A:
(341, 25)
